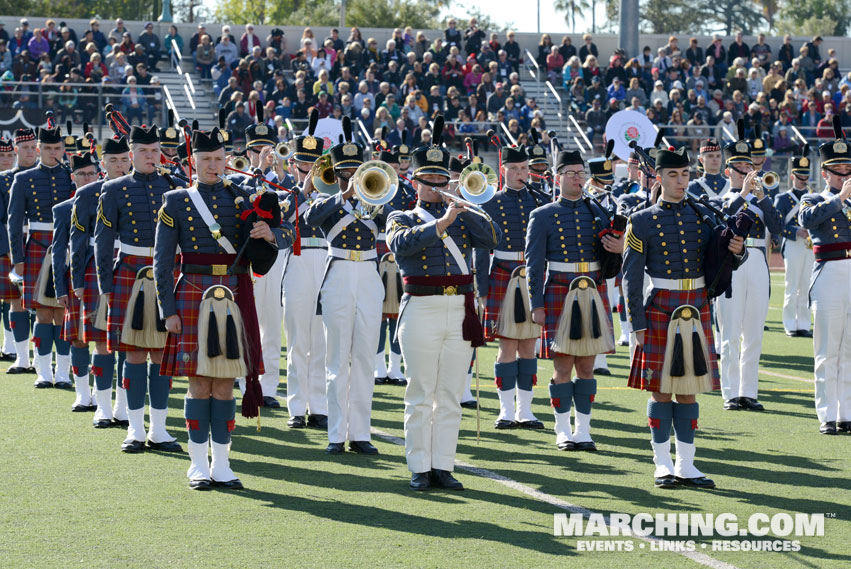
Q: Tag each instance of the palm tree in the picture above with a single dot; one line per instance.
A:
(570, 8)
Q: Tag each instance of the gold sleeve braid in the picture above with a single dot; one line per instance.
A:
(102, 217)
(75, 221)
(165, 218)
(633, 241)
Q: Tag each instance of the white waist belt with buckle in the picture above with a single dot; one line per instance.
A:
(381, 236)
(678, 284)
(40, 226)
(754, 242)
(509, 255)
(315, 242)
(136, 251)
(349, 255)
(574, 267)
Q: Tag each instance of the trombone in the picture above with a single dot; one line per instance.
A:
(477, 185)
(375, 183)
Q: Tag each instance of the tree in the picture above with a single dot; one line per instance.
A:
(671, 16)
(731, 15)
(570, 8)
(419, 14)
(816, 17)
(486, 22)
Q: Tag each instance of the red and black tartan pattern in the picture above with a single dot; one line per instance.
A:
(381, 247)
(555, 292)
(497, 287)
(90, 304)
(8, 291)
(33, 259)
(646, 369)
(180, 356)
(122, 285)
(71, 319)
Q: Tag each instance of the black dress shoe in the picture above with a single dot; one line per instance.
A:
(362, 447)
(566, 445)
(623, 343)
(4, 357)
(335, 448)
(43, 385)
(120, 423)
(471, 404)
(805, 334)
(318, 421)
(588, 446)
(271, 402)
(828, 428)
(669, 481)
(168, 446)
(530, 424)
(234, 484)
(444, 479)
(66, 385)
(843, 426)
(732, 404)
(504, 424)
(793, 333)
(401, 381)
(133, 446)
(421, 480)
(750, 404)
(296, 422)
(18, 369)
(82, 408)
(380, 380)
(200, 484)
(602, 371)
(699, 482)
(102, 423)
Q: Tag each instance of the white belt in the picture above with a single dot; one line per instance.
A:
(754, 242)
(574, 267)
(510, 256)
(678, 284)
(315, 242)
(40, 226)
(349, 255)
(382, 236)
(92, 242)
(136, 251)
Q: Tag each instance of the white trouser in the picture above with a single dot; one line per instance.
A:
(741, 320)
(351, 313)
(437, 358)
(305, 336)
(799, 269)
(267, 299)
(831, 298)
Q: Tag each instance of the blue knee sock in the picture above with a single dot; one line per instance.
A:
(621, 309)
(80, 359)
(659, 417)
(394, 344)
(122, 357)
(382, 336)
(584, 391)
(685, 421)
(20, 322)
(103, 368)
(527, 374)
(136, 383)
(197, 414)
(505, 375)
(6, 322)
(561, 396)
(159, 387)
(63, 347)
(43, 338)
(222, 422)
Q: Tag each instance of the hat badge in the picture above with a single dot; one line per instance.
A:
(840, 147)
(170, 132)
(309, 143)
(741, 147)
(350, 150)
(261, 130)
(434, 155)
(804, 162)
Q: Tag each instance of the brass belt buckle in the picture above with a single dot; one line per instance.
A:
(583, 268)
(219, 270)
(686, 284)
(355, 255)
(848, 253)
(450, 290)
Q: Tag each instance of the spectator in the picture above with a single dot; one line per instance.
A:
(116, 68)
(17, 44)
(615, 70)
(596, 90)
(390, 104)
(126, 46)
(571, 71)
(697, 130)
(226, 34)
(95, 69)
(173, 36)
(762, 52)
(221, 75)
(786, 53)
(5, 58)
(824, 129)
(813, 49)
(248, 41)
(452, 36)
(118, 31)
(738, 49)
(227, 50)
(237, 121)
(555, 62)
(151, 43)
(496, 100)
(694, 53)
(590, 69)
(589, 48)
(473, 37)
(544, 49)
(205, 56)
(133, 100)
(38, 44)
(595, 119)
(659, 93)
(323, 84)
(70, 52)
(616, 90)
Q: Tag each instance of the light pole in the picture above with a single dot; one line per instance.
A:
(628, 38)
(166, 14)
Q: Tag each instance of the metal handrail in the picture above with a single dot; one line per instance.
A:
(508, 133)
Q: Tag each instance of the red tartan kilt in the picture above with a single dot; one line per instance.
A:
(651, 357)
(381, 247)
(71, 320)
(555, 292)
(181, 350)
(90, 304)
(122, 286)
(8, 291)
(497, 286)
(33, 258)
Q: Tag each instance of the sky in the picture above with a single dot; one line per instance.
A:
(526, 20)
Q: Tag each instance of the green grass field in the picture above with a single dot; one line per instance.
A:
(71, 499)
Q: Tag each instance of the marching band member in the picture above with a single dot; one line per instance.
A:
(827, 217)
(127, 211)
(563, 242)
(83, 171)
(501, 283)
(632, 183)
(675, 357)
(302, 278)
(18, 326)
(171, 140)
(438, 324)
(7, 291)
(116, 163)
(539, 181)
(713, 183)
(742, 310)
(34, 192)
(350, 301)
(797, 250)
(210, 314)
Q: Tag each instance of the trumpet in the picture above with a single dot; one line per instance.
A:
(285, 150)
(477, 183)
(769, 180)
(323, 177)
(375, 183)
(240, 163)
